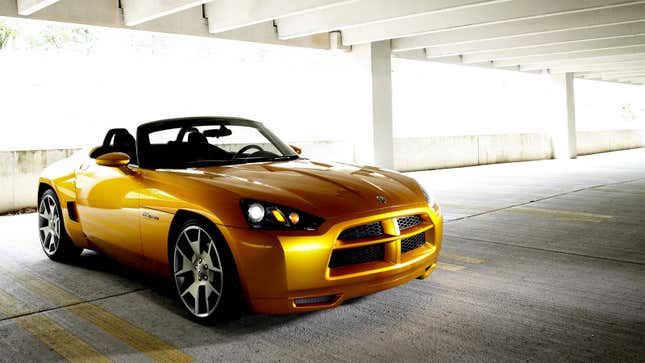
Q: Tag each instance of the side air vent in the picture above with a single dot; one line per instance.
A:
(71, 211)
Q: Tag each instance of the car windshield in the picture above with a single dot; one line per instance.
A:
(209, 142)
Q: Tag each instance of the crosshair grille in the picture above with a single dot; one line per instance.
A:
(412, 243)
(363, 231)
(354, 256)
(408, 222)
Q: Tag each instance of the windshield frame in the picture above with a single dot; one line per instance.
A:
(148, 161)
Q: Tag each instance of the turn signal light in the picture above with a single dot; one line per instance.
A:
(278, 216)
(294, 218)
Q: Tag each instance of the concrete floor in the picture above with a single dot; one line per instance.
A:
(542, 261)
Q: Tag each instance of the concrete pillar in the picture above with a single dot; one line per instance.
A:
(563, 132)
(376, 144)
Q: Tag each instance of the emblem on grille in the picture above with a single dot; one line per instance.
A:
(381, 199)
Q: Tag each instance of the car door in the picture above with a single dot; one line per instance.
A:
(108, 207)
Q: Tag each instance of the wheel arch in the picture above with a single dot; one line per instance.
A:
(181, 216)
(42, 187)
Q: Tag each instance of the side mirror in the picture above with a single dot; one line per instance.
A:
(296, 149)
(115, 159)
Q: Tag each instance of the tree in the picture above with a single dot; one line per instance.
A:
(6, 34)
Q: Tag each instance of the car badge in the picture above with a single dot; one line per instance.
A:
(381, 199)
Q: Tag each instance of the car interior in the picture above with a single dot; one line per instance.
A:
(188, 147)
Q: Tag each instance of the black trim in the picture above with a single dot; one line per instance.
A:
(71, 211)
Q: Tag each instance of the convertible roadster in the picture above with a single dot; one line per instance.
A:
(230, 214)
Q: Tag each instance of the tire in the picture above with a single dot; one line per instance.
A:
(54, 239)
(204, 273)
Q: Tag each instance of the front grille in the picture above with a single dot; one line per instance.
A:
(365, 231)
(354, 256)
(408, 222)
(413, 242)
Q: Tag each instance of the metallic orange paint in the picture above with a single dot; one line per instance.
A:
(126, 212)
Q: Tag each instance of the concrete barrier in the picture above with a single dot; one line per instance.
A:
(19, 170)
(591, 142)
(438, 152)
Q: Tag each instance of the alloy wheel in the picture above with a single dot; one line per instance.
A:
(49, 224)
(198, 271)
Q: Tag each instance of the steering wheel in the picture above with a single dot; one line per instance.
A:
(247, 148)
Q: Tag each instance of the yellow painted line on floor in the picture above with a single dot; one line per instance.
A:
(10, 306)
(449, 267)
(538, 212)
(137, 338)
(152, 346)
(59, 339)
(558, 214)
(459, 258)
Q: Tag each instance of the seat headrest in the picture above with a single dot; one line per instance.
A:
(197, 138)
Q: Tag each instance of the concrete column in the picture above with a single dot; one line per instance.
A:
(563, 132)
(376, 144)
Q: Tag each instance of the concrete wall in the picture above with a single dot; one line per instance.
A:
(452, 151)
(590, 142)
(19, 170)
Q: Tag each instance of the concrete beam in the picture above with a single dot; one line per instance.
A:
(631, 79)
(584, 61)
(226, 15)
(531, 26)
(28, 7)
(554, 38)
(610, 74)
(376, 145)
(568, 56)
(137, 12)
(586, 45)
(188, 22)
(495, 13)
(603, 67)
(365, 12)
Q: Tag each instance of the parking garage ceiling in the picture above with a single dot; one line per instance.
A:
(593, 39)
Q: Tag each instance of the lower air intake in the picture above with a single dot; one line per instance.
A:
(316, 300)
(412, 243)
(354, 256)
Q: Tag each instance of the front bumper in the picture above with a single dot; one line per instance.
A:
(278, 269)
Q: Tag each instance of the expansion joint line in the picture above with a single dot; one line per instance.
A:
(540, 199)
(64, 306)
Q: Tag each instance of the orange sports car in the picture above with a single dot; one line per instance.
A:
(230, 213)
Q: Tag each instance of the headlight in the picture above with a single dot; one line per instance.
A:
(432, 202)
(264, 215)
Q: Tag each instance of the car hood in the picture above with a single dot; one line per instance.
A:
(323, 189)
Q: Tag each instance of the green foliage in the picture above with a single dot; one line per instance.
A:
(56, 37)
(6, 34)
(628, 113)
